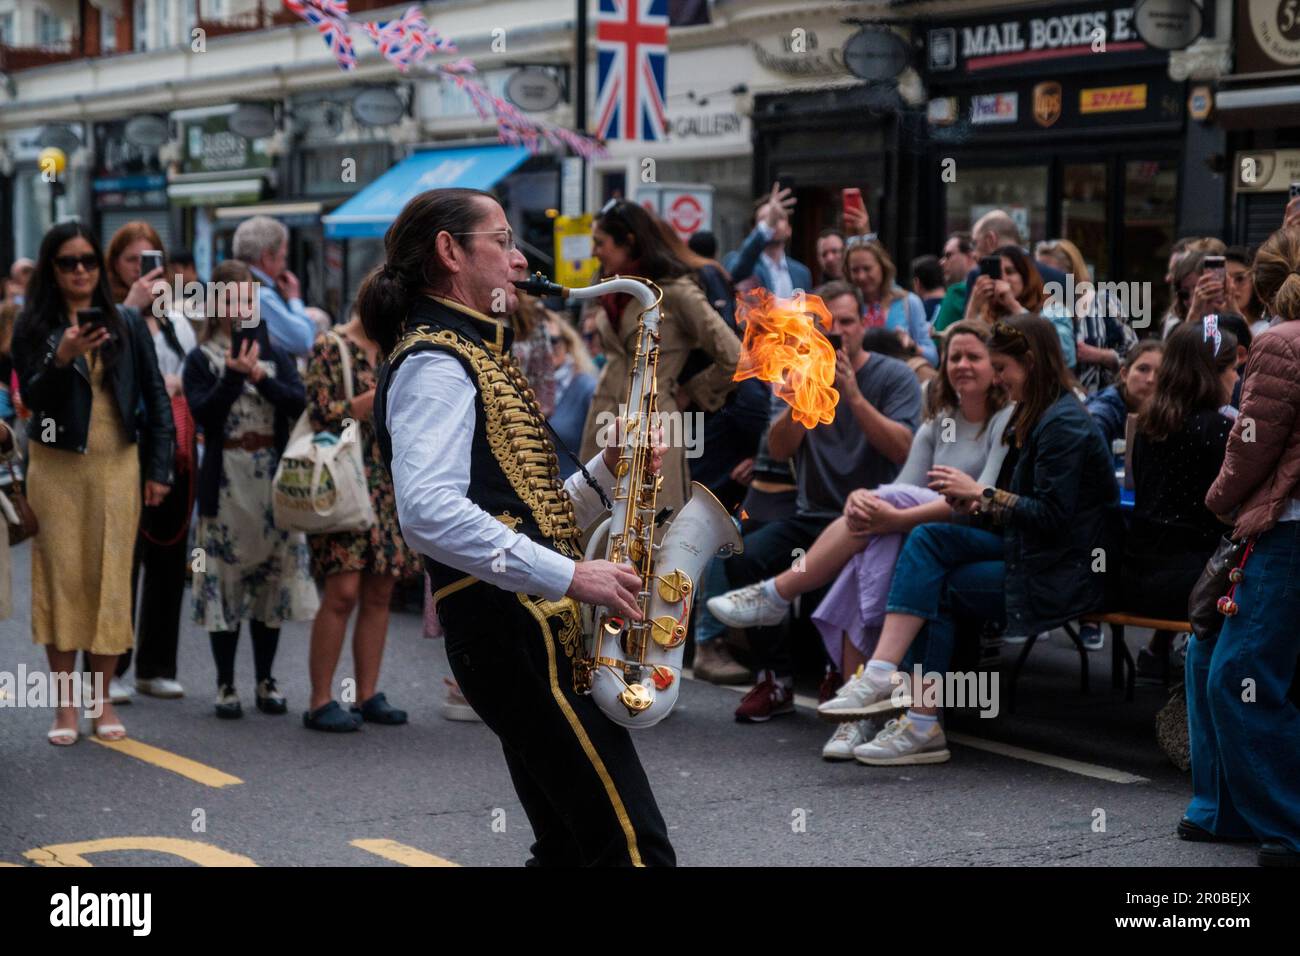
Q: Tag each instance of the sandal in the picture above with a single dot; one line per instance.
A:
(331, 718)
(63, 736)
(110, 732)
(377, 710)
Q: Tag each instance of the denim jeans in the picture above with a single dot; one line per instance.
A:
(943, 571)
(1243, 727)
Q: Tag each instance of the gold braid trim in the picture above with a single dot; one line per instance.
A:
(516, 434)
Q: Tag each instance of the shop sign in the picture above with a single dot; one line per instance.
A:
(706, 125)
(1113, 99)
(942, 111)
(119, 155)
(1267, 36)
(212, 146)
(802, 52)
(1097, 35)
(1266, 170)
(148, 130)
(994, 108)
(876, 53)
(1047, 103)
(1168, 24)
(252, 121)
(574, 264)
(688, 209)
(533, 89)
(377, 106)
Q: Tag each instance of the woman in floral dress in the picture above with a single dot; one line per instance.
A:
(245, 397)
(358, 567)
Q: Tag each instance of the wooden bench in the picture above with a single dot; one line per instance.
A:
(1122, 668)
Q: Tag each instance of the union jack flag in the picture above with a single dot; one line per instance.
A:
(330, 17)
(632, 66)
(406, 40)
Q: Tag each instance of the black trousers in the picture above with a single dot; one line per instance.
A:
(576, 772)
(156, 599)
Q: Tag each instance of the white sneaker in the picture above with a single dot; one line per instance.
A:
(901, 743)
(456, 707)
(119, 692)
(164, 687)
(847, 736)
(866, 694)
(748, 607)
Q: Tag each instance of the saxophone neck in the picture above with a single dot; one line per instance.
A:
(644, 291)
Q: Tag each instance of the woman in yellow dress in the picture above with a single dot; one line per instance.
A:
(100, 415)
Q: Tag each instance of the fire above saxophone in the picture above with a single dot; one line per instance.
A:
(782, 346)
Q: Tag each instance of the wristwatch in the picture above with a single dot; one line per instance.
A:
(988, 493)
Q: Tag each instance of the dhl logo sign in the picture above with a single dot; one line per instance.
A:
(1112, 99)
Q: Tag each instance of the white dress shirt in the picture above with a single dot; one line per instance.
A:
(782, 283)
(431, 418)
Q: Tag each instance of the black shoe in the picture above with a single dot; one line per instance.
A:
(228, 707)
(270, 700)
(377, 710)
(1273, 853)
(331, 718)
(1195, 833)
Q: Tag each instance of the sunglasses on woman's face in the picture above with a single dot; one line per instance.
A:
(70, 263)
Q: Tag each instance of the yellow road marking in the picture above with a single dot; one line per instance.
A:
(74, 854)
(201, 773)
(401, 853)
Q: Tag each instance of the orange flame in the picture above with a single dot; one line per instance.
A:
(782, 346)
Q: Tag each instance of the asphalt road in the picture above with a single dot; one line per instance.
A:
(265, 790)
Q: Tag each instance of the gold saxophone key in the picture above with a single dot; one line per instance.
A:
(674, 586)
(667, 632)
(636, 698)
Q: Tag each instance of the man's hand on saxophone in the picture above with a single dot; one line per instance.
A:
(606, 584)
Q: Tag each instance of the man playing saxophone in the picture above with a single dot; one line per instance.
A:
(475, 476)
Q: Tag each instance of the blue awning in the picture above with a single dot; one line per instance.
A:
(369, 213)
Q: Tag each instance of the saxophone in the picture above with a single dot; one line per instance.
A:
(633, 668)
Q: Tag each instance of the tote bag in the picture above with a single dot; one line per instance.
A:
(320, 483)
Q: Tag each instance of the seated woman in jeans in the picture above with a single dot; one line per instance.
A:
(1032, 573)
(966, 414)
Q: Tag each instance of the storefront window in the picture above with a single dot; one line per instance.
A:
(1019, 190)
(1150, 213)
(1083, 214)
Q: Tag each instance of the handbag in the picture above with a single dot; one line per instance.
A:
(1211, 597)
(167, 523)
(320, 484)
(18, 512)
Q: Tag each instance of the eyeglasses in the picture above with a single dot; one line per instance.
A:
(507, 232)
(89, 262)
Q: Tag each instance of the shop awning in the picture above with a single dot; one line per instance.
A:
(219, 193)
(369, 213)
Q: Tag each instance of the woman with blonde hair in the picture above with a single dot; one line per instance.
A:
(868, 265)
(1102, 334)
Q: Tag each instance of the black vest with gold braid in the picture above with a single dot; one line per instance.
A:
(514, 471)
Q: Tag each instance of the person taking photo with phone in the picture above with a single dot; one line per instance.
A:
(136, 276)
(87, 372)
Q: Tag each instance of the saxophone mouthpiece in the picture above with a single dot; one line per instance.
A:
(537, 284)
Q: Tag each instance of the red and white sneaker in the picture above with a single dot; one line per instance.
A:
(769, 698)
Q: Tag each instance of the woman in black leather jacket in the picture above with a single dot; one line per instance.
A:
(95, 392)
